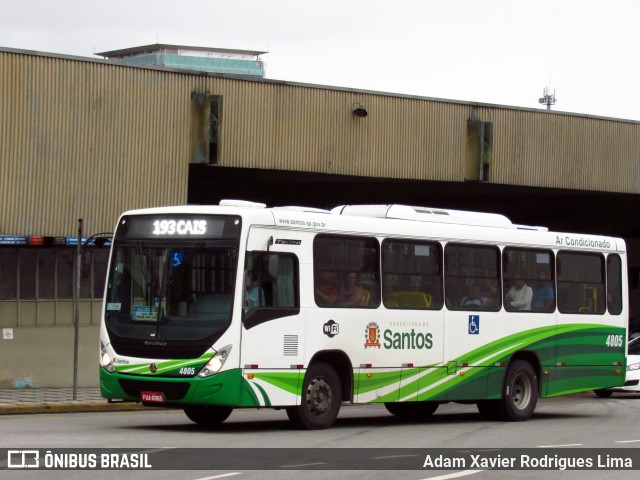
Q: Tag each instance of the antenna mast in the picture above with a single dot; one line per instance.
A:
(547, 98)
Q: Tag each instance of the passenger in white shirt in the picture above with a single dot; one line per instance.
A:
(519, 296)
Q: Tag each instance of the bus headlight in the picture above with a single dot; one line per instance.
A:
(214, 365)
(105, 359)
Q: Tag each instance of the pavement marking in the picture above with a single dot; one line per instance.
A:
(483, 450)
(560, 446)
(304, 465)
(394, 456)
(464, 473)
(626, 441)
(222, 475)
(68, 408)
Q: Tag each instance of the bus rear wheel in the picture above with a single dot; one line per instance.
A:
(321, 399)
(207, 415)
(414, 410)
(520, 394)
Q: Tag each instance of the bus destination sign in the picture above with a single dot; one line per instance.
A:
(179, 226)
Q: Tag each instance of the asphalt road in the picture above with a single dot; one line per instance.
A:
(262, 444)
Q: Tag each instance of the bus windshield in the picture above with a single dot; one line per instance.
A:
(169, 293)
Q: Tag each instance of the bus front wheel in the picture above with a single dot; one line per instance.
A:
(207, 415)
(520, 394)
(321, 398)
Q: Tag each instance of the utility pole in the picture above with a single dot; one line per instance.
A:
(98, 240)
(76, 316)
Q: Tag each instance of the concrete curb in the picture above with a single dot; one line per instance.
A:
(70, 408)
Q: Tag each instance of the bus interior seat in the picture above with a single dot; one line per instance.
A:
(415, 300)
(366, 296)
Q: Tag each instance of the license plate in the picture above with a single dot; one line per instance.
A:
(152, 397)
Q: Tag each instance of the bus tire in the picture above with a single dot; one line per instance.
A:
(520, 394)
(603, 393)
(413, 410)
(321, 398)
(207, 415)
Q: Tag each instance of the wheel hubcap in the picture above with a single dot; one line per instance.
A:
(319, 396)
(521, 391)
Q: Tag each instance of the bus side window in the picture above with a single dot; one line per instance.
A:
(529, 269)
(270, 281)
(412, 275)
(346, 271)
(614, 284)
(271, 287)
(472, 277)
(581, 283)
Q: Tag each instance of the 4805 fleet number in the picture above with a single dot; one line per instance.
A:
(614, 341)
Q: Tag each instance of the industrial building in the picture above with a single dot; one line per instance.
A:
(88, 138)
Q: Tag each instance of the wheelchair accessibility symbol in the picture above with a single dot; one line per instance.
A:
(474, 324)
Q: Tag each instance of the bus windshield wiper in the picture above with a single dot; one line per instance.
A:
(172, 273)
(146, 268)
(171, 277)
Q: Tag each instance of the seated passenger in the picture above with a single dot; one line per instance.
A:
(543, 297)
(454, 292)
(327, 290)
(490, 290)
(351, 295)
(475, 298)
(519, 295)
(255, 293)
(255, 297)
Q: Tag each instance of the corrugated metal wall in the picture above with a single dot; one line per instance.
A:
(310, 129)
(542, 149)
(88, 139)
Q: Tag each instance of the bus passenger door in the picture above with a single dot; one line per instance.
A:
(463, 375)
(272, 330)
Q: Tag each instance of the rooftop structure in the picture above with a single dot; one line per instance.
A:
(202, 59)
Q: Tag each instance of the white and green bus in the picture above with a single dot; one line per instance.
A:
(211, 308)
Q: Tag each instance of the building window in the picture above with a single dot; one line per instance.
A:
(207, 133)
(46, 274)
(65, 273)
(49, 273)
(8, 273)
(27, 277)
(99, 262)
(215, 111)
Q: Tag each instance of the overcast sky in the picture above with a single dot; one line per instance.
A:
(492, 51)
